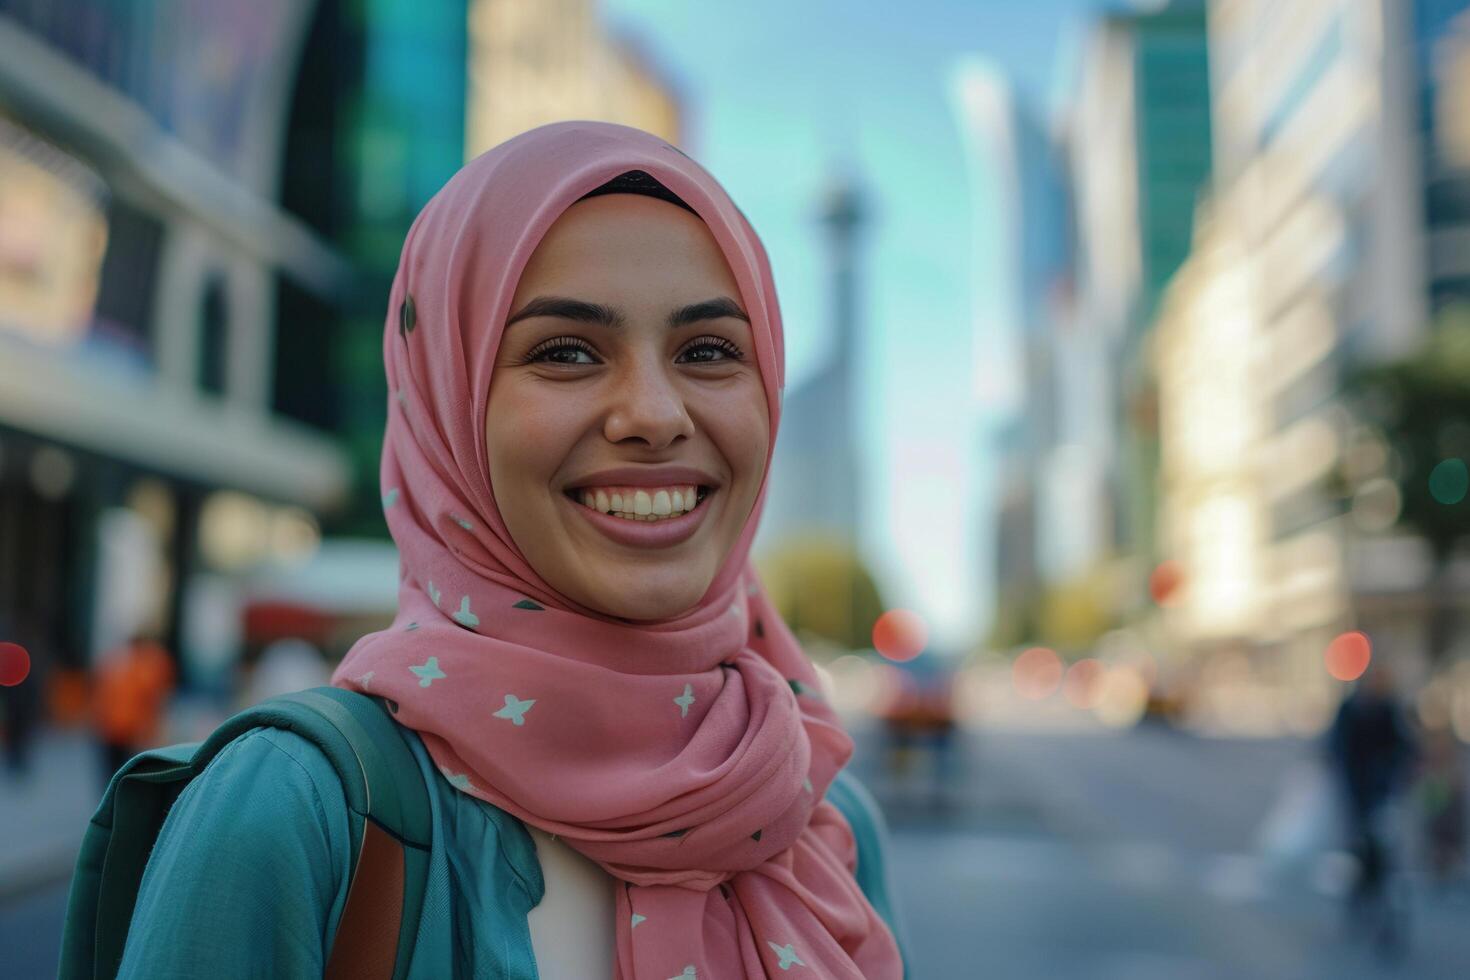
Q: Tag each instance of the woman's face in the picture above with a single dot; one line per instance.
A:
(626, 376)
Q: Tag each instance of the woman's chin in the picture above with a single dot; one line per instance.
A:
(654, 603)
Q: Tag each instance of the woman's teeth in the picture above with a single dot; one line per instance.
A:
(641, 505)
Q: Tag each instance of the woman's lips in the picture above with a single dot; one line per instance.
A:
(663, 533)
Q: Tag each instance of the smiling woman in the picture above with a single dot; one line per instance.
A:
(631, 765)
(626, 378)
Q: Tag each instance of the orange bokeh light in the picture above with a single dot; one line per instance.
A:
(1348, 655)
(1036, 673)
(1164, 582)
(1080, 686)
(900, 634)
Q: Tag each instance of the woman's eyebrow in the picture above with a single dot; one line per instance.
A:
(609, 316)
(568, 309)
(710, 309)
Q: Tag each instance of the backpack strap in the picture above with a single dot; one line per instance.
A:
(379, 921)
(870, 834)
(389, 817)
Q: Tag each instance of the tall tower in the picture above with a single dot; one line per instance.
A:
(815, 472)
(843, 215)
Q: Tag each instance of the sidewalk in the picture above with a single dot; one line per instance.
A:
(44, 814)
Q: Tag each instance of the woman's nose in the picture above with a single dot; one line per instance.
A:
(647, 405)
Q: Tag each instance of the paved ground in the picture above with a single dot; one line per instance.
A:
(30, 933)
(1089, 856)
(1131, 856)
(43, 815)
(42, 819)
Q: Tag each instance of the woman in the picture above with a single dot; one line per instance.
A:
(625, 746)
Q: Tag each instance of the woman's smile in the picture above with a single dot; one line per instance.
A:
(642, 525)
(672, 497)
(642, 492)
(638, 504)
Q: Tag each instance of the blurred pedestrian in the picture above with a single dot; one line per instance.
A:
(130, 693)
(1372, 749)
(918, 714)
(1442, 803)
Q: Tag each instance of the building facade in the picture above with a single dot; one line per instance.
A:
(1441, 39)
(538, 61)
(1138, 134)
(375, 129)
(1045, 521)
(1313, 261)
(142, 246)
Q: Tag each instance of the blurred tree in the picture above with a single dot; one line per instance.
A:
(821, 587)
(1074, 614)
(1014, 623)
(1421, 407)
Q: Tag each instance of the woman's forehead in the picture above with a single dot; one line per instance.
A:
(625, 217)
(625, 239)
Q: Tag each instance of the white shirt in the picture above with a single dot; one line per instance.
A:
(573, 932)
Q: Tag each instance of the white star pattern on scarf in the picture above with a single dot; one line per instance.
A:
(787, 954)
(428, 672)
(515, 709)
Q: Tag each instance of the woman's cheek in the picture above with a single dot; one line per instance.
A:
(744, 449)
(525, 449)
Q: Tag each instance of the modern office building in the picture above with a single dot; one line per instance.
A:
(1441, 38)
(142, 245)
(539, 61)
(1046, 522)
(1311, 261)
(1139, 138)
(375, 129)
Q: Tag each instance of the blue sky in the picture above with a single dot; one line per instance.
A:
(780, 94)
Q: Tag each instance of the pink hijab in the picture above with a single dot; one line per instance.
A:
(688, 757)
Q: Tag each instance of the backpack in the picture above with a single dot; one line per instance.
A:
(388, 813)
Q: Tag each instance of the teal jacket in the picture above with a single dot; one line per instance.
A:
(238, 884)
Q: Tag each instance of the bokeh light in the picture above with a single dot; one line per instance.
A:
(1449, 481)
(856, 684)
(1165, 582)
(1036, 673)
(900, 634)
(1348, 655)
(1377, 505)
(1081, 683)
(15, 664)
(1121, 698)
(1145, 665)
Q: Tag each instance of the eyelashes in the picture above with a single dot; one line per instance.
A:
(555, 345)
(577, 346)
(722, 344)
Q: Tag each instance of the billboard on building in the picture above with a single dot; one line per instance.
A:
(53, 233)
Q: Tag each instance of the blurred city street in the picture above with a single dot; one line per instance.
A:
(1087, 854)
(1123, 447)
(1131, 856)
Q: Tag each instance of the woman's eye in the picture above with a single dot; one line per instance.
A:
(562, 351)
(712, 350)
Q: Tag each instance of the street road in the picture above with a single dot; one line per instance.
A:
(1090, 856)
(1132, 855)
